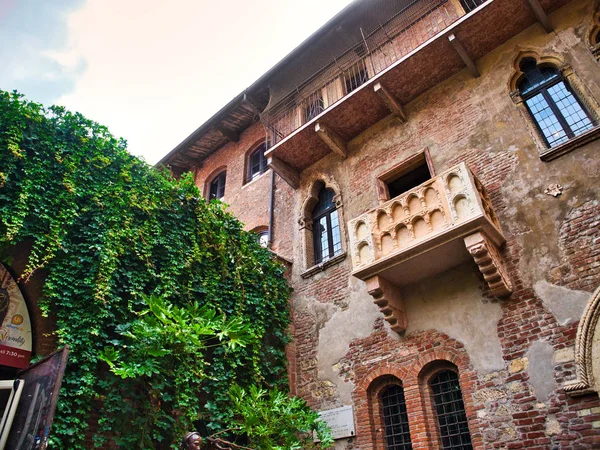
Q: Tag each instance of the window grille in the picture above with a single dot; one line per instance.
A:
(450, 411)
(556, 111)
(395, 419)
(326, 227)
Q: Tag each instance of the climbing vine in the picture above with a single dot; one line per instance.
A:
(112, 233)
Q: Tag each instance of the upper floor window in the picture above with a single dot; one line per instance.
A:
(450, 411)
(257, 162)
(555, 109)
(326, 228)
(395, 418)
(315, 106)
(355, 76)
(217, 186)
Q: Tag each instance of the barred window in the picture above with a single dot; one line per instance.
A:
(395, 418)
(450, 411)
(556, 111)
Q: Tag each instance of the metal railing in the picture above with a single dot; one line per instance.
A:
(401, 34)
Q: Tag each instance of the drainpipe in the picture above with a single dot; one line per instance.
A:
(271, 207)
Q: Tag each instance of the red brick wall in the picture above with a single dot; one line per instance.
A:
(550, 239)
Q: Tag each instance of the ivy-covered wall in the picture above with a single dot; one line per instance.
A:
(110, 231)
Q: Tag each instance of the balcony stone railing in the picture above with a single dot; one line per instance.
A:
(425, 231)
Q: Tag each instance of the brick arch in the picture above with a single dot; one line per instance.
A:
(369, 430)
(422, 424)
(210, 177)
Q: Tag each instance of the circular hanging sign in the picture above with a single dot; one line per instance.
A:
(15, 328)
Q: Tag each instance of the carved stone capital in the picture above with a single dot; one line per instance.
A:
(515, 96)
(490, 262)
(566, 70)
(388, 298)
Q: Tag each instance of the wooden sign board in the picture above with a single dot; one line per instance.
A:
(15, 326)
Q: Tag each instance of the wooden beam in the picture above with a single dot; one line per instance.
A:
(464, 55)
(333, 141)
(390, 101)
(540, 15)
(229, 134)
(289, 175)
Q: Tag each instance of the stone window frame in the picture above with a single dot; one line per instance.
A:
(585, 382)
(209, 179)
(592, 37)
(578, 88)
(414, 376)
(305, 222)
(404, 166)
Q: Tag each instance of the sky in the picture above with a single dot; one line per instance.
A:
(151, 70)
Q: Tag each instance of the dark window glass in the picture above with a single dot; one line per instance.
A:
(263, 238)
(217, 186)
(555, 110)
(257, 163)
(395, 419)
(409, 180)
(450, 411)
(326, 227)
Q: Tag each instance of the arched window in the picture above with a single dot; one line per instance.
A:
(556, 111)
(257, 162)
(326, 227)
(217, 186)
(450, 411)
(395, 418)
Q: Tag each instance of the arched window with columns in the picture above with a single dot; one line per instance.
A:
(556, 110)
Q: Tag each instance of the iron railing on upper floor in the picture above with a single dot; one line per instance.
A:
(402, 33)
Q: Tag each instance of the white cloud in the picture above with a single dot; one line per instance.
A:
(156, 70)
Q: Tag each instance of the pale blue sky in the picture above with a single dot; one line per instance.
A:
(151, 70)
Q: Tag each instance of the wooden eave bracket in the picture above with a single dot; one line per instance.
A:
(464, 55)
(333, 141)
(289, 175)
(488, 258)
(388, 298)
(229, 134)
(390, 102)
(540, 15)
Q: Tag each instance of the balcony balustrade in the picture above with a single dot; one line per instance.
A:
(425, 231)
(426, 42)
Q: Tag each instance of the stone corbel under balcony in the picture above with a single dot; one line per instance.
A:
(425, 231)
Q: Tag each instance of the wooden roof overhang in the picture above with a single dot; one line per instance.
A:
(468, 39)
(224, 127)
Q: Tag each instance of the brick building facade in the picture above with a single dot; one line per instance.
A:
(435, 191)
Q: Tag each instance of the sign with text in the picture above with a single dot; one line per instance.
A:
(15, 327)
(340, 420)
(33, 418)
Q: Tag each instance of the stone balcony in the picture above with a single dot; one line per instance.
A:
(425, 231)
